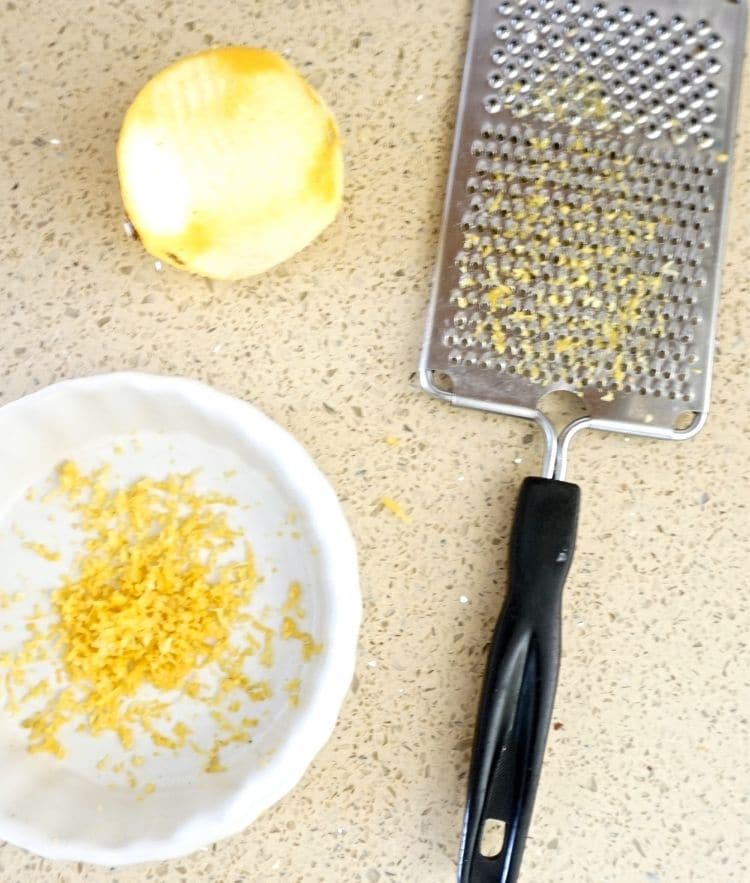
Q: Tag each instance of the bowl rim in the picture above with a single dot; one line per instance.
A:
(340, 577)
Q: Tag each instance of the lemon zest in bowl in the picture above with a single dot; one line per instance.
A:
(43, 551)
(150, 603)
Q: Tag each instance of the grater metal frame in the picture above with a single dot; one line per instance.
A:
(490, 390)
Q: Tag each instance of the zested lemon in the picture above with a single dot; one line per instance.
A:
(229, 163)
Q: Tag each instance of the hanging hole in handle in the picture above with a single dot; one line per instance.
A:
(684, 420)
(442, 381)
(493, 838)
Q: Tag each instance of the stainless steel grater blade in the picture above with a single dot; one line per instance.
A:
(585, 211)
(580, 250)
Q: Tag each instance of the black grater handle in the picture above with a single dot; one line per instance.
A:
(520, 681)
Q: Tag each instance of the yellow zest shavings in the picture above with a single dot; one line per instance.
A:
(234, 734)
(521, 274)
(266, 655)
(6, 599)
(40, 689)
(192, 689)
(395, 509)
(150, 603)
(290, 630)
(559, 297)
(293, 600)
(292, 688)
(43, 551)
(392, 440)
(213, 765)
(495, 295)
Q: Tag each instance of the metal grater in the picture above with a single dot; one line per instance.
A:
(580, 250)
(609, 128)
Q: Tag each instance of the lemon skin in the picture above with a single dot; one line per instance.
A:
(229, 163)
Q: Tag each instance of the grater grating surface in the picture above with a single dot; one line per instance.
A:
(584, 219)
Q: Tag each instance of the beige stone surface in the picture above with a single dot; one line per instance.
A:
(647, 780)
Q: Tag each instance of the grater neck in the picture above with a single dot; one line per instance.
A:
(566, 436)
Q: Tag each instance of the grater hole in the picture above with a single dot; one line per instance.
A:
(492, 104)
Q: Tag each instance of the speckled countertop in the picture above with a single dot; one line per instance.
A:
(647, 775)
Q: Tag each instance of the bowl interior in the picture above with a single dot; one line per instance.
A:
(94, 803)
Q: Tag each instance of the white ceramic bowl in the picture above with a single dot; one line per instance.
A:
(67, 809)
